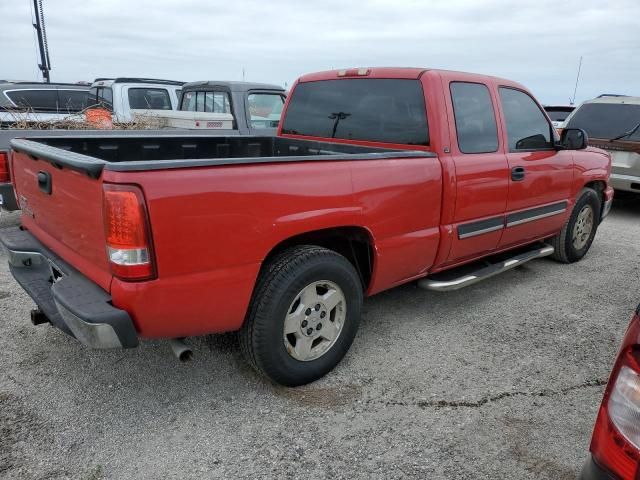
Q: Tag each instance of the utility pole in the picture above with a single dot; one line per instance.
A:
(45, 64)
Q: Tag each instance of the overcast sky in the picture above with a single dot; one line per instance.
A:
(538, 43)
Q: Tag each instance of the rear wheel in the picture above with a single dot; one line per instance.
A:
(304, 315)
(575, 238)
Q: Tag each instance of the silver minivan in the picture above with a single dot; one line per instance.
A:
(613, 124)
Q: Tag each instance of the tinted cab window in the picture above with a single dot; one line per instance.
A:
(379, 110)
(475, 119)
(527, 126)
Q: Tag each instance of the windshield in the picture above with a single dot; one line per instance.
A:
(558, 114)
(607, 120)
(378, 110)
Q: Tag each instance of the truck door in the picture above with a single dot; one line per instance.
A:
(540, 177)
(481, 171)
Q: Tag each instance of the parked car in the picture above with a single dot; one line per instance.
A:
(126, 96)
(280, 238)
(251, 108)
(558, 114)
(613, 124)
(36, 102)
(615, 444)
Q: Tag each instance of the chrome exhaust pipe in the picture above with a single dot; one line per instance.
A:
(181, 350)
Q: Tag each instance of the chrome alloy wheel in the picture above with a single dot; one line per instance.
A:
(583, 227)
(314, 320)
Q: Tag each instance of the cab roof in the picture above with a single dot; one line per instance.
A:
(233, 86)
(408, 73)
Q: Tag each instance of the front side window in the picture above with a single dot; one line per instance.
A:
(149, 99)
(377, 110)
(45, 101)
(206, 101)
(265, 109)
(72, 100)
(475, 118)
(527, 127)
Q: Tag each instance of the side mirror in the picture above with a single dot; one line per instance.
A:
(573, 139)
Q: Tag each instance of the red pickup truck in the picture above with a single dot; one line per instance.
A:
(377, 177)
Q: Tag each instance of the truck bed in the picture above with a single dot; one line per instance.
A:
(92, 154)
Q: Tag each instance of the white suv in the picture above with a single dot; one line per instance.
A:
(613, 124)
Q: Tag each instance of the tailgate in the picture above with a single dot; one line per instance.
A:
(64, 213)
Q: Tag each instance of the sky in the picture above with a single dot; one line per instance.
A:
(537, 43)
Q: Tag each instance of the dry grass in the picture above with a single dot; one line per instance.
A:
(29, 120)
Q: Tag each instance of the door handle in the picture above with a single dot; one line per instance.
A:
(517, 174)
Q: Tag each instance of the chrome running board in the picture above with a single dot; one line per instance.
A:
(485, 272)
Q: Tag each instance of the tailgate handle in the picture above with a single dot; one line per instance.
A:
(44, 182)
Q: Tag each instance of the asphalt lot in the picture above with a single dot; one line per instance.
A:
(500, 380)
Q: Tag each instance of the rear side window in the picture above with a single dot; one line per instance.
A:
(72, 100)
(206, 101)
(149, 98)
(475, 118)
(378, 110)
(527, 126)
(607, 120)
(265, 109)
(35, 100)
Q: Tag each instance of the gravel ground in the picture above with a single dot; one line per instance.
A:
(500, 380)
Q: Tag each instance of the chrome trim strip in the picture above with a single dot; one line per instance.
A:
(537, 217)
(480, 232)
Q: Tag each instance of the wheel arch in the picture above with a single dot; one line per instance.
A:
(599, 186)
(355, 243)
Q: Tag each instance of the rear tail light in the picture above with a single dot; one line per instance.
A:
(4, 168)
(128, 238)
(616, 438)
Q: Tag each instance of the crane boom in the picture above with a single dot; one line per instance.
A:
(45, 64)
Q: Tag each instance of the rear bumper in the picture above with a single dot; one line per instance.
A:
(72, 302)
(8, 197)
(592, 471)
(626, 183)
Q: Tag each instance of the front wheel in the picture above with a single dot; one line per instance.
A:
(303, 316)
(577, 234)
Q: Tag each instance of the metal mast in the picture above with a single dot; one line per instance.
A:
(45, 64)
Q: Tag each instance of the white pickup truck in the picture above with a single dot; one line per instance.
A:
(128, 97)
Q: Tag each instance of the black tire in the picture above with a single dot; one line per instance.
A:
(564, 249)
(261, 337)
